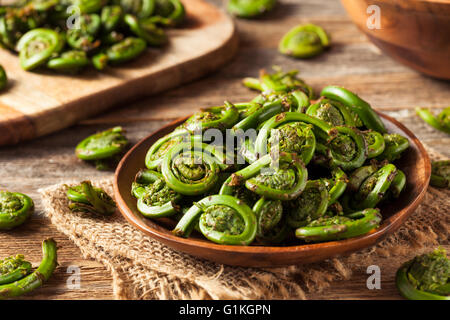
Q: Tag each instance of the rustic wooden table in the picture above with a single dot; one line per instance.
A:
(352, 62)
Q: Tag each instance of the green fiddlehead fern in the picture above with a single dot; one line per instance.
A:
(30, 281)
(426, 277)
(128, 49)
(285, 182)
(345, 148)
(15, 209)
(222, 219)
(440, 122)
(192, 168)
(153, 35)
(69, 61)
(278, 82)
(272, 225)
(111, 17)
(85, 37)
(3, 78)
(304, 41)
(88, 6)
(375, 143)
(369, 185)
(395, 145)
(140, 8)
(340, 227)
(364, 111)
(37, 46)
(250, 8)
(333, 112)
(157, 151)
(103, 147)
(13, 269)
(87, 198)
(155, 198)
(310, 205)
(170, 13)
(440, 174)
(336, 186)
(213, 118)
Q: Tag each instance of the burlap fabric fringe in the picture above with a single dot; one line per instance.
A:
(143, 268)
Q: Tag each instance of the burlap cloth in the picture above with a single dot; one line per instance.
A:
(143, 268)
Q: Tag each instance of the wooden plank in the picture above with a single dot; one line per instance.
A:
(50, 101)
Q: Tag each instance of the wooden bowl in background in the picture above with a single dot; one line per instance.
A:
(415, 163)
(413, 32)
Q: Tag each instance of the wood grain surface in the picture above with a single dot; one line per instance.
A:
(37, 103)
(352, 62)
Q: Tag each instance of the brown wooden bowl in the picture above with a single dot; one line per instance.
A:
(413, 32)
(415, 163)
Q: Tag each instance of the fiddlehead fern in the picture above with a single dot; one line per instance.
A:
(375, 143)
(272, 225)
(333, 112)
(336, 186)
(155, 198)
(87, 198)
(157, 151)
(222, 219)
(340, 227)
(345, 148)
(15, 209)
(69, 61)
(250, 8)
(369, 185)
(192, 168)
(213, 118)
(293, 131)
(85, 37)
(304, 41)
(87, 6)
(310, 205)
(103, 147)
(169, 13)
(395, 145)
(13, 269)
(440, 174)
(426, 277)
(126, 50)
(279, 82)
(37, 46)
(364, 111)
(34, 280)
(153, 35)
(140, 8)
(441, 122)
(110, 17)
(283, 183)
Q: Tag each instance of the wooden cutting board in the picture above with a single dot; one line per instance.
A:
(38, 103)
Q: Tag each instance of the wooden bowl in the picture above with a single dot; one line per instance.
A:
(415, 163)
(413, 32)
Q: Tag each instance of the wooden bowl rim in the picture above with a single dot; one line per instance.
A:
(388, 225)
